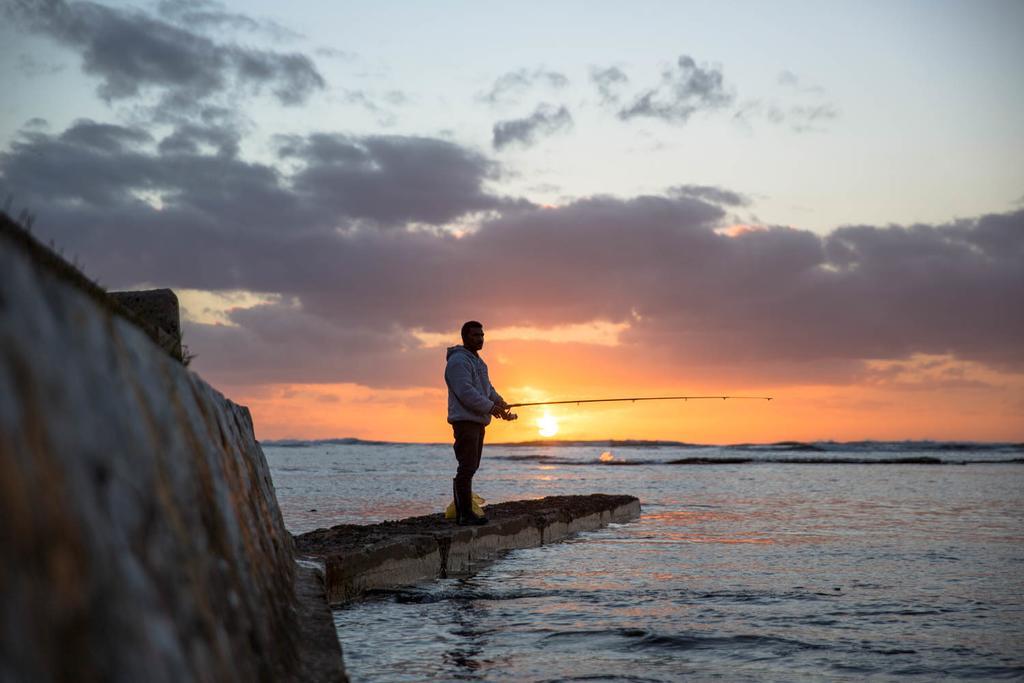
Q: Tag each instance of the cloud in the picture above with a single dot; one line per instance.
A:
(685, 89)
(803, 118)
(203, 15)
(788, 79)
(608, 82)
(390, 180)
(132, 52)
(800, 118)
(809, 113)
(545, 120)
(715, 195)
(190, 138)
(370, 102)
(770, 303)
(333, 182)
(104, 137)
(513, 84)
(335, 53)
(32, 67)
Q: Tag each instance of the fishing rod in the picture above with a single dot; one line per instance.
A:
(640, 398)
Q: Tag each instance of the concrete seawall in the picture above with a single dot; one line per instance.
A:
(357, 558)
(141, 537)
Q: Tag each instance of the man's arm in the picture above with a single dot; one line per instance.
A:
(458, 374)
(496, 397)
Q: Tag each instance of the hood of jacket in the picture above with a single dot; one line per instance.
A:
(458, 348)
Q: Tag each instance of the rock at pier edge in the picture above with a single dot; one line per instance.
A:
(358, 558)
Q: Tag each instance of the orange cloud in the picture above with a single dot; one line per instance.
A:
(739, 229)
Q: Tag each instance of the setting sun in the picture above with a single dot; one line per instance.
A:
(547, 425)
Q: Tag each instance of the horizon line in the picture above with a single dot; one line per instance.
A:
(666, 442)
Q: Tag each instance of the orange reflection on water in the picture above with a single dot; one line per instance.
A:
(701, 526)
(692, 516)
(708, 538)
(716, 539)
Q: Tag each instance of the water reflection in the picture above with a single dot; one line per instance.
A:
(775, 572)
(465, 653)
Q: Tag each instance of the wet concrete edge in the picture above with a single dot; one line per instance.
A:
(357, 559)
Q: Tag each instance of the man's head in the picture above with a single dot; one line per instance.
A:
(473, 335)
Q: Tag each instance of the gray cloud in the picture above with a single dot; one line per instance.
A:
(789, 79)
(335, 53)
(804, 118)
(32, 67)
(709, 193)
(684, 90)
(806, 110)
(132, 52)
(203, 15)
(391, 180)
(335, 181)
(371, 103)
(608, 82)
(189, 138)
(545, 120)
(513, 84)
(776, 305)
(800, 118)
(769, 304)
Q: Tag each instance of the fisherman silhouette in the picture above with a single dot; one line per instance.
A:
(472, 401)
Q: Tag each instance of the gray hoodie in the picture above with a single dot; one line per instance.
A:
(470, 394)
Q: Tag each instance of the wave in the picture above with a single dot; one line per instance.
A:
(434, 594)
(908, 460)
(779, 446)
(643, 639)
(602, 443)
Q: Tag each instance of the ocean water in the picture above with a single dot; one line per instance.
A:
(784, 562)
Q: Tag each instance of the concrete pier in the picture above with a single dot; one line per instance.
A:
(358, 558)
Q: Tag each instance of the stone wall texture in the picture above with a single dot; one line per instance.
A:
(140, 536)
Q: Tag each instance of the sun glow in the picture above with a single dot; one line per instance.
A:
(547, 425)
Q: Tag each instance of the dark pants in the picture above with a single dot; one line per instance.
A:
(469, 444)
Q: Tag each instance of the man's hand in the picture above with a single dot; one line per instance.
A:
(500, 410)
(507, 413)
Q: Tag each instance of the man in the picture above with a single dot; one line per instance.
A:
(472, 401)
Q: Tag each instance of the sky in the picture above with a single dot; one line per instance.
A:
(820, 202)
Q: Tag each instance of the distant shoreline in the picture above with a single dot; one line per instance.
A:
(922, 444)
